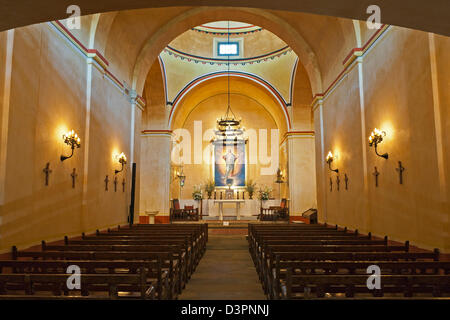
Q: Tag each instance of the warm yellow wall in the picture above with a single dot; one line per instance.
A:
(48, 97)
(397, 96)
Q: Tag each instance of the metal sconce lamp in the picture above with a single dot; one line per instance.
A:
(279, 180)
(279, 176)
(375, 138)
(329, 160)
(122, 160)
(182, 177)
(71, 139)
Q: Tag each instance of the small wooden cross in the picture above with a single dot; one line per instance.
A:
(74, 175)
(400, 170)
(346, 181)
(376, 174)
(106, 182)
(331, 185)
(47, 172)
(338, 182)
(115, 184)
(123, 185)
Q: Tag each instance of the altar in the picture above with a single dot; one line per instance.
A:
(222, 202)
(216, 209)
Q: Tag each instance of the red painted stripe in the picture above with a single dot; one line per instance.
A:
(317, 95)
(95, 51)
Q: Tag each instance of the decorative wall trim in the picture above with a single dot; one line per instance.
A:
(297, 134)
(224, 31)
(349, 63)
(93, 54)
(152, 133)
(241, 74)
(163, 73)
(291, 87)
(218, 61)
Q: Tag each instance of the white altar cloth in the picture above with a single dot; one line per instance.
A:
(248, 208)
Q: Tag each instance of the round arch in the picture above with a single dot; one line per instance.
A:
(241, 84)
(197, 16)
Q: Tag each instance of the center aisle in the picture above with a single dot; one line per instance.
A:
(226, 272)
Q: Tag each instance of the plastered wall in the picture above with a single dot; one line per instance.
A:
(393, 88)
(53, 90)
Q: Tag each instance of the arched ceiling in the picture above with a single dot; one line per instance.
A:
(416, 14)
(132, 56)
(238, 86)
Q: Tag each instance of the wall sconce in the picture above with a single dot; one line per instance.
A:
(122, 160)
(279, 176)
(71, 139)
(329, 160)
(182, 177)
(375, 138)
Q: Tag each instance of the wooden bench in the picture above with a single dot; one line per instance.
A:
(111, 286)
(325, 268)
(169, 262)
(302, 286)
(153, 270)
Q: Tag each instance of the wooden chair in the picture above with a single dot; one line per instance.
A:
(274, 213)
(188, 213)
(191, 213)
(281, 212)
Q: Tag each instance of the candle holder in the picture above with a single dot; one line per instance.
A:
(122, 160)
(71, 139)
(376, 137)
(329, 160)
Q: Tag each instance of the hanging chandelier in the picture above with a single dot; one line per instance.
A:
(229, 128)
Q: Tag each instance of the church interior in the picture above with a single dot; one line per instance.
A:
(228, 153)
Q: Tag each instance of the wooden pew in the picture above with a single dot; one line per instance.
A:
(301, 286)
(153, 270)
(169, 262)
(56, 284)
(326, 268)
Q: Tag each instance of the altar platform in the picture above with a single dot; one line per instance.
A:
(229, 210)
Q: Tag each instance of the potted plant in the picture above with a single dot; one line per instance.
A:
(197, 194)
(250, 188)
(209, 188)
(264, 193)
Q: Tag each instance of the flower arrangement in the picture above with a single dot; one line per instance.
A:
(210, 187)
(197, 194)
(264, 193)
(250, 188)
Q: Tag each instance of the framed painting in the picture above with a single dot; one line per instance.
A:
(229, 165)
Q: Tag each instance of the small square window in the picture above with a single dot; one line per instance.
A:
(228, 49)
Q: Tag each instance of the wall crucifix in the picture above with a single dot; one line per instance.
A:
(106, 182)
(400, 170)
(74, 176)
(338, 182)
(331, 185)
(376, 174)
(123, 185)
(47, 172)
(346, 181)
(115, 183)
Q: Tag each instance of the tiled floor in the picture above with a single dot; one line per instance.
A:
(226, 272)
